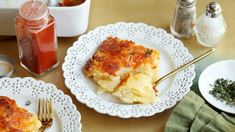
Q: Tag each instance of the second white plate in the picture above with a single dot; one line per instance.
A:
(222, 69)
(26, 91)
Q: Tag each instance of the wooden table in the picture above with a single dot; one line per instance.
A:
(153, 12)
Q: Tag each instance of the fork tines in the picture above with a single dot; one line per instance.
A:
(45, 112)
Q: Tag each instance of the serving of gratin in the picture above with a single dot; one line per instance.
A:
(125, 69)
(16, 119)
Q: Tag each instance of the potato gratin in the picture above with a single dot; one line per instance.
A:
(125, 69)
(16, 119)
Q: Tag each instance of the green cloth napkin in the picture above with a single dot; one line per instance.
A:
(203, 117)
(192, 114)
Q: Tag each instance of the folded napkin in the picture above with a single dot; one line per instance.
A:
(192, 114)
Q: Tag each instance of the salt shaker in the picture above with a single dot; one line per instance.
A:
(183, 23)
(211, 27)
(36, 38)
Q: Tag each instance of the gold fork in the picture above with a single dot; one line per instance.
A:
(45, 113)
(183, 67)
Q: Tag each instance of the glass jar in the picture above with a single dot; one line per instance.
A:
(36, 38)
(211, 26)
(183, 23)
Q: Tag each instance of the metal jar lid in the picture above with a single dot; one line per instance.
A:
(187, 3)
(7, 67)
(213, 10)
(33, 10)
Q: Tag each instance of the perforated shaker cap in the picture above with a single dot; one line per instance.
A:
(33, 10)
(187, 2)
(213, 9)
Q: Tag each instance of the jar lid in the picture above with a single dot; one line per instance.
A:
(187, 2)
(7, 67)
(33, 10)
(213, 10)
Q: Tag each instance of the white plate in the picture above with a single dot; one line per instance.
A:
(173, 54)
(66, 117)
(222, 69)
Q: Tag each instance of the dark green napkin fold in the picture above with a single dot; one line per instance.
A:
(192, 114)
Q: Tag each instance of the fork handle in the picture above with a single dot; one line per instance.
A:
(184, 66)
(43, 128)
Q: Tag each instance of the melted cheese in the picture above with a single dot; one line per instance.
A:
(16, 119)
(115, 61)
(137, 88)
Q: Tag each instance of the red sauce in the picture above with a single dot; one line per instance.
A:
(71, 2)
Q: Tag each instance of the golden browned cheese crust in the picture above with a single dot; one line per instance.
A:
(114, 54)
(14, 118)
(125, 69)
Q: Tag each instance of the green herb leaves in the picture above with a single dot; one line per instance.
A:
(224, 90)
(148, 52)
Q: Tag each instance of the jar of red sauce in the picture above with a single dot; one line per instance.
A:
(36, 38)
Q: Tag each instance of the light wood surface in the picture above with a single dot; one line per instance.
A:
(153, 12)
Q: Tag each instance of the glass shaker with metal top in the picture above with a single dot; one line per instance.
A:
(211, 26)
(183, 23)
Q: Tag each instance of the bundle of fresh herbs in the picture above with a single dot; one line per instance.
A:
(224, 90)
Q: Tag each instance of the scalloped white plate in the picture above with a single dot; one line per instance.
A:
(65, 118)
(173, 54)
(222, 69)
